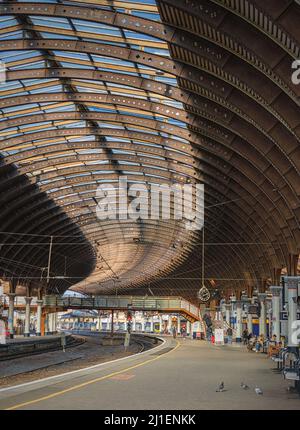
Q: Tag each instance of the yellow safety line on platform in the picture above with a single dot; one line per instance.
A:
(84, 384)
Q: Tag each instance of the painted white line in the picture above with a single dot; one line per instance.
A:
(95, 366)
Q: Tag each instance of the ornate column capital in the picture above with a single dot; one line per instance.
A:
(262, 297)
(245, 300)
(28, 300)
(292, 281)
(275, 290)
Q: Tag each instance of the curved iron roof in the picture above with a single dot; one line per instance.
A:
(179, 91)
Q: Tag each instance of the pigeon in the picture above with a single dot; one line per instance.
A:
(258, 390)
(221, 388)
(244, 386)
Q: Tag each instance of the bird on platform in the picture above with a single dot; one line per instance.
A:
(244, 386)
(258, 390)
(221, 388)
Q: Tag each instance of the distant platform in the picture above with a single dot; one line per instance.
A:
(20, 346)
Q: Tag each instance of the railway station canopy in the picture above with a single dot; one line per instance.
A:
(161, 92)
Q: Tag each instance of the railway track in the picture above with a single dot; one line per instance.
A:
(55, 361)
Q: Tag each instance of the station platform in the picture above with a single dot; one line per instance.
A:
(178, 374)
(90, 349)
(19, 338)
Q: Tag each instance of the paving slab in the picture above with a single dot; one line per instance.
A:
(184, 378)
(17, 366)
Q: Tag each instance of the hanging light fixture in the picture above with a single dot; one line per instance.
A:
(203, 294)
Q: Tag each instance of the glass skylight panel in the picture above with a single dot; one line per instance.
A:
(50, 89)
(136, 114)
(57, 22)
(125, 94)
(108, 125)
(78, 124)
(167, 80)
(177, 123)
(146, 2)
(153, 145)
(140, 36)
(130, 172)
(73, 55)
(76, 65)
(17, 34)
(113, 139)
(157, 51)
(9, 56)
(89, 151)
(119, 70)
(31, 65)
(28, 82)
(53, 156)
(102, 109)
(128, 163)
(147, 15)
(7, 21)
(122, 86)
(110, 60)
(15, 109)
(81, 138)
(77, 29)
(90, 90)
(173, 103)
(97, 28)
(119, 151)
(102, 172)
(38, 1)
(67, 108)
(155, 167)
(10, 85)
(132, 128)
(157, 157)
(76, 175)
(46, 35)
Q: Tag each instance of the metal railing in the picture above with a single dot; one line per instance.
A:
(19, 301)
(124, 302)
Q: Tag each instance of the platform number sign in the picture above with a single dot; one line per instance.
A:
(284, 316)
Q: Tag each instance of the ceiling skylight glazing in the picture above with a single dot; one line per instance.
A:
(73, 119)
